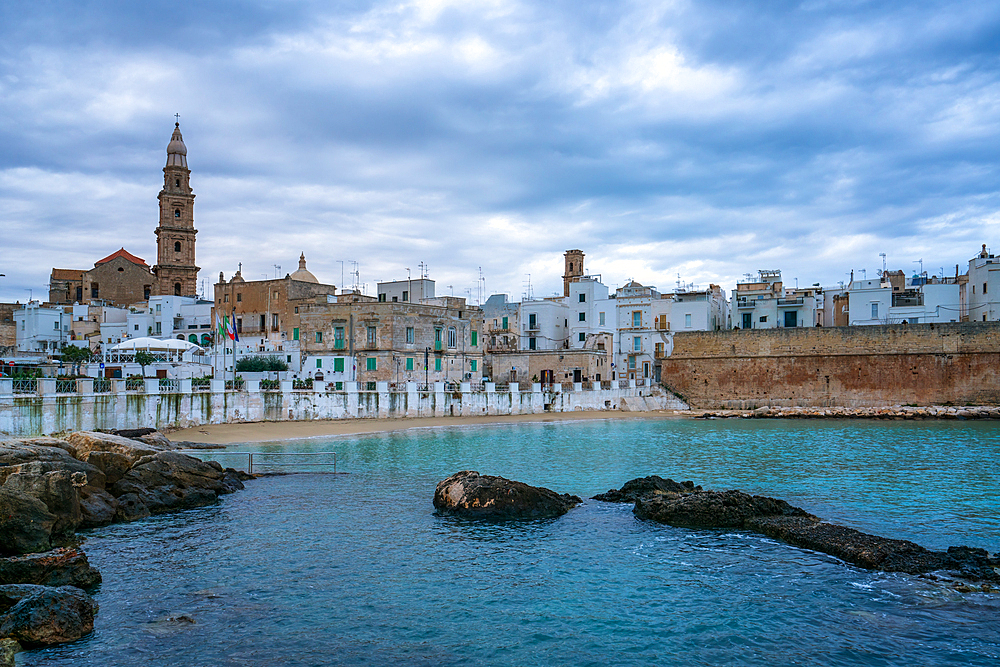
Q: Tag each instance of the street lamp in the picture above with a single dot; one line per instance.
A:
(427, 370)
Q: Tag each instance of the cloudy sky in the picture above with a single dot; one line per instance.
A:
(706, 139)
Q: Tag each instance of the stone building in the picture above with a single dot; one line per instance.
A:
(8, 331)
(396, 342)
(122, 279)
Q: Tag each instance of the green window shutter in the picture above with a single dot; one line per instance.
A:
(319, 363)
(505, 323)
(475, 338)
(295, 333)
(409, 363)
(473, 365)
(319, 336)
(338, 365)
(372, 362)
(437, 364)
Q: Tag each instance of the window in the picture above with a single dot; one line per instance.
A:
(763, 318)
(406, 295)
(295, 333)
(475, 338)
(531, 343)
(452, 337)
(583, 298)
(319, 336)
(532, 322)
(158, 329)
(136, 326)
(473, 365)
(409, 334)
(600, 319)
(874, 311)
(338, 365)
(177, 246)
(381, 298)
(274, 321)
(177, 182)
(55, 325)
(225, 298)
(319, 363)
(239, 325)
(263, 321)
(94, 291)
(296, 310)
(631, 362)
(338, 335)
(636, 319)
(372, 364)
(437, 334)
(177, 213)
(687, 320)
(437, 364)
(637, 343)
(157, 307)
(409, 363)
(659, 349)
(372, 332)
(239, 297)
(504, 323)
(583, 317)
(583, 337)
(984, 288)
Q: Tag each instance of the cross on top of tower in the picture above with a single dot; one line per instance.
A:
(178, 117)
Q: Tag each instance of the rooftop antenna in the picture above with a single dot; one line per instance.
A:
(882, 255)
(864, 274)
(921, 262)
(424, 270)
(528, 296)
(277, 271)
(452, 288)
(355, 276)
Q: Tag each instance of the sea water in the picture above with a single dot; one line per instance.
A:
(358, 569)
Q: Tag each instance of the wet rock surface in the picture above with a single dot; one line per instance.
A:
(45, 615)
(894, 412)
(169, 481)
(59, 567)
(776, 518)
(470, 494)
(634, 489)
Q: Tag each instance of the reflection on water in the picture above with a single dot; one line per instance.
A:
(359, 569)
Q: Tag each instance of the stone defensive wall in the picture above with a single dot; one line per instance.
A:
(52, 406)
(898, 364)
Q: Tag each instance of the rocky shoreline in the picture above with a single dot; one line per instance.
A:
(49, 489)
(897, 412)
(685, 505)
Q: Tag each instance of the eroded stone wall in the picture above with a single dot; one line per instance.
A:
(921, 364)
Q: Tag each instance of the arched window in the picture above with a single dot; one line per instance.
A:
(180, 336)
(177, 182)
(206, 339)
(177, 246)
(177, 213)
(571, 266)
(193, 338)
(177, 289)
(452, 338)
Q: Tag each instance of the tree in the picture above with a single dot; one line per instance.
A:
(144, 358)
(73, 355)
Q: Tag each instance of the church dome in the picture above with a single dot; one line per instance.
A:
(301, 274)
(176, 150)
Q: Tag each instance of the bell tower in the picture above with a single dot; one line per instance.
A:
(175, 269)
(574, 268)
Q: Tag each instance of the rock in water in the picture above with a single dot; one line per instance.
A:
(169, 481)
(57, 489)
(470, 494)
(42, 615)
(59, 567)
(634, 489)
(713, 509)
(25, 523)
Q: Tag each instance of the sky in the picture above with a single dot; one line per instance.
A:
(673, 142)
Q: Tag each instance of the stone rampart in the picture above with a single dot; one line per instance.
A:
(921, 364)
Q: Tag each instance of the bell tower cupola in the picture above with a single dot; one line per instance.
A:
(175, 268)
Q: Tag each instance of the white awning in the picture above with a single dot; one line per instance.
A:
(156, 344)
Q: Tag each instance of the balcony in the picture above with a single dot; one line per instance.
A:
(746, 303)
(798, 301)
(904, 300)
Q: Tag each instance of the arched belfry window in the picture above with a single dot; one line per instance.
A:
(177, 213)
(177, 246)
(177, 182)
(177, 289)
(571, 266)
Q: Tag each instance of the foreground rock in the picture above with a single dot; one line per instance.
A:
(43, 615)
(470, 494)
(634, 489)
(59, 567)
(776, 518)
(168, 481)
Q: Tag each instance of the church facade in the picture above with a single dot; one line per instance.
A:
(122, 279)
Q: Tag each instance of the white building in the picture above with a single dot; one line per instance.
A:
(920, 300)
(39, 329)
(406, 290)
(982, 292)
(545, 324)
(698, 310)
(644, 335)
(592, 311)
(764, 303)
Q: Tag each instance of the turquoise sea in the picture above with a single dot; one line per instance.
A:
(357, 569)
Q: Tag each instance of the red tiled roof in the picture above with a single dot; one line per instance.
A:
(67, 274)
(122, 253)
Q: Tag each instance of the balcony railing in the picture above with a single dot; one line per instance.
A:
(746, 303)
(798, 301)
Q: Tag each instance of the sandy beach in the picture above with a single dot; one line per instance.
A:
(227, 434)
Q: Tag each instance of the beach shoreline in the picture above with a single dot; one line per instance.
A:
(229, 434)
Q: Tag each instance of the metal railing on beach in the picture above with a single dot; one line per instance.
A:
(268, 461)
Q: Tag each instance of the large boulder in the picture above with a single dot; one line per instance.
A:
(85, 442)
(15, 454)
(57, 489)
(634, 489)
(130, 508)
(59, 567)
(169, 481)
(43, 615)
(470, 494)
(712, 509)
(97, 507)
(25, 523)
